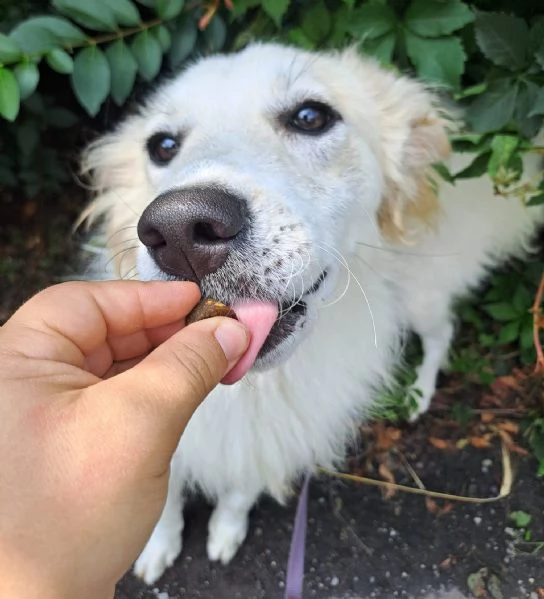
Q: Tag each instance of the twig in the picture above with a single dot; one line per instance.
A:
(537, 325)
(506, 485)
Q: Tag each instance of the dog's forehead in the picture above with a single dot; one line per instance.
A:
(261, 75)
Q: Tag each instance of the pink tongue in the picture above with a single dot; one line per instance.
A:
(259, 318)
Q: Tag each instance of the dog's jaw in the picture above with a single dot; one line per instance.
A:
(292, 321)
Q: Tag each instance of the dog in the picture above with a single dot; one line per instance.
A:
(298, 188)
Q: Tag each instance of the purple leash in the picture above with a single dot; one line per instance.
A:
(295, 567)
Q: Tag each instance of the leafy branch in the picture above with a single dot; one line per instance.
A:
(64, 43)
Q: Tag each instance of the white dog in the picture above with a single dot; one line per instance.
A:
(287, 184)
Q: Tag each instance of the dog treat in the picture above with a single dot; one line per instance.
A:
(208, 308)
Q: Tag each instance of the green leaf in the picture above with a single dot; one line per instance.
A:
(28, 76)
(528, 124)
(148, 54)
(522, 299)
(215, 34)
(33, 38)
(536, 35)
(169, 9)
(502, 311)
(380, 48)
(60, 61)
(502, 148)
(372, 20)
(509, 332)
(10, 98)
(316, 22)
(520, 519)
(164, 37)
(433, 19)
(183, 42)
(61, 118)
(9, 51)
(471, 142)
(539, 55)
(443, 172)
(503, 39)
(91, 78)
(275, 9)
(526, 339)
(340, 20)
(148, 3)
(65, 32)
(440, 60)
(494, 109)
(473, 90)
(36, 105)
(27, 136)
(124, 11)
(242, 6)
(537, 200)
(538, 106)
(93, 15)
(123, 68)
(476, 168)
(299, 38)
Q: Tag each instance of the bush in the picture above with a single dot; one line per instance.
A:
(492, 63)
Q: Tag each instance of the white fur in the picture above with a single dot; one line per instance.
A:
(315, 202)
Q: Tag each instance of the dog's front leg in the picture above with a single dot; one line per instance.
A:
(228, 524)
(165, 543)
(436, 338)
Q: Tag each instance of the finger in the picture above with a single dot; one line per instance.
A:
(128, 347)
(69, 321)
(156, 398)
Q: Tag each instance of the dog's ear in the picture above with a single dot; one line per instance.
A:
(412, 136)
(410, 199)
(114, 168)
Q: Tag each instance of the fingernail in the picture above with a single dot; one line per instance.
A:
(233, 338)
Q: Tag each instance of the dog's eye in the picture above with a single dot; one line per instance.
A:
(162, 147)
(312, 118)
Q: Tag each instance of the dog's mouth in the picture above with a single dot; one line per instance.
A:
(270, 324)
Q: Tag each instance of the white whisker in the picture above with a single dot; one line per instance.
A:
(340, 258)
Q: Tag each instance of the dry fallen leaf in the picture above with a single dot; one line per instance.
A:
(487, 417)
(509, 427)
(388, 476)
(387, 437)
(448, 562)
(438, 443)
(476, 583)
(434, 508)
(481, 442)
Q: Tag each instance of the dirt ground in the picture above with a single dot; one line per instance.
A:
(362, 543)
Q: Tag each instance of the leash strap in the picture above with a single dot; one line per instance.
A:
(295, 566)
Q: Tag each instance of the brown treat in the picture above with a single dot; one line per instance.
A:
(208, 308)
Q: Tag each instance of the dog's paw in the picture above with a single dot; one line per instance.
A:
(160, 553)
(418, 401)
(225, 536)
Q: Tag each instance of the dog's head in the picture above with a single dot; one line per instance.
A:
(256, 174)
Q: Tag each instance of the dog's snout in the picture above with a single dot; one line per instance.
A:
(191, 232)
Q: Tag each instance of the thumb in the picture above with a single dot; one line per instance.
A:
(169, 384)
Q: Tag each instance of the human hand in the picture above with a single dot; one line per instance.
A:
(97, 383)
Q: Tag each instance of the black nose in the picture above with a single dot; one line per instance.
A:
(191, 232)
